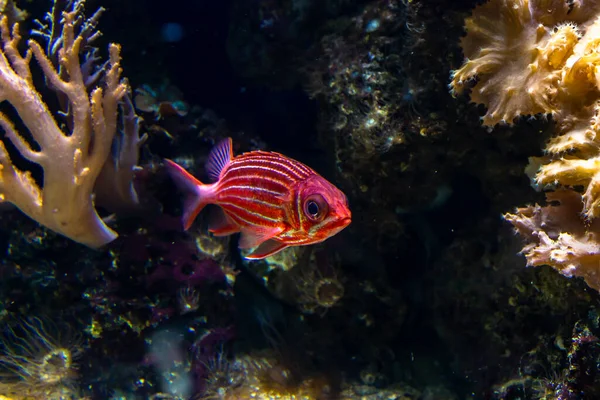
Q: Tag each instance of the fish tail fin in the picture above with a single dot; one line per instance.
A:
(196, 194)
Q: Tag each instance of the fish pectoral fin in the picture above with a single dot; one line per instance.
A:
(219, 224)
(254, 238)
(266, 249)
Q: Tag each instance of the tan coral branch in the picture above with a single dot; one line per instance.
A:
(71, 161)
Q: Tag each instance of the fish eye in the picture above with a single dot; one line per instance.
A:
(312, 208)
(315, 207)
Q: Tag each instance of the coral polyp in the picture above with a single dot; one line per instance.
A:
(37, 361)
(262, 377)
(328, 292)
(223, 379)
(319, 293)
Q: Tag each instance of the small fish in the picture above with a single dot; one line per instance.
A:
(273, 201)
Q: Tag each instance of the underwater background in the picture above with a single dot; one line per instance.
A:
(426, 295)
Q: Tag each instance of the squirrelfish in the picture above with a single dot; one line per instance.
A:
(273, 201)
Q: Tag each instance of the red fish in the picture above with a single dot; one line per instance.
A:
(273, 201)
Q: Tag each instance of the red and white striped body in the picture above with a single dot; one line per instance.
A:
(257, 189)
(274, 201)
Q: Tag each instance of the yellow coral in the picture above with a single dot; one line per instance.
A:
(574, 156)
(516, 52)
(12, 12)
(543, 56)
(579, 77)
(560, 45)
(559, 237)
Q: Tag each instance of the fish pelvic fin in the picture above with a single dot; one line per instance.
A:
(196, 194)
(220, 156)
(266, 249)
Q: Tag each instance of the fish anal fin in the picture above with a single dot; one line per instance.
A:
(266, 249)
(252, 238)
(220, 156)
(219, 224)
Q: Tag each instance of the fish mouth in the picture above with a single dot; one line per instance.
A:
(336, 225)
(342, 224)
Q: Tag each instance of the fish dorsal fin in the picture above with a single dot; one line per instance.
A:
(252, 238)
(220, 156)
(266, 249)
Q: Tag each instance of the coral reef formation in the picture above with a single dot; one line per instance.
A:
(567, 242)
(423, 297)
(13, 13)
(73, 152)
(541, 57)
(525, 55)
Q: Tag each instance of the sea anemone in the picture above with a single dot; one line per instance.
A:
(37, 361)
